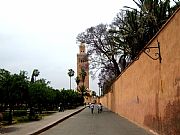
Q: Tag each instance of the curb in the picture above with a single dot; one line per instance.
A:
(56, 122)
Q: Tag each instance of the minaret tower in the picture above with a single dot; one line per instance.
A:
(82, 62)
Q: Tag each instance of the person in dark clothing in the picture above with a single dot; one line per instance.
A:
(92, 108)
(61, 107)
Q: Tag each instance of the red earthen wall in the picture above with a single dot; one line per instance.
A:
(148, 92)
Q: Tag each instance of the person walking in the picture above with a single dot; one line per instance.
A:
(99, 108)
(61, 107)
(92, 108)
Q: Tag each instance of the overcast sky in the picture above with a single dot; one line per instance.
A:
(41, 34)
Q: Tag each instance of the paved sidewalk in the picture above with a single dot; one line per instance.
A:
(105, 123)
(36, 127)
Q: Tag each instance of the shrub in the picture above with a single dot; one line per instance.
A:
(22, 119)
(35, 117)
(1, 117)
(5, 116)
(19, 113)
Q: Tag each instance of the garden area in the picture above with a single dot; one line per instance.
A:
(24, 99)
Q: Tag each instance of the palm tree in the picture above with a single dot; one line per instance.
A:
(77, 79)
(93, 93)
(70, 73)
(135, 27)
(82, 89)
(33, 79)
(34, 75)
(83, 75)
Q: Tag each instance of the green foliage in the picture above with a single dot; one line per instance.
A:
(82, 89)
(93, 93)
(70, 98)
(18, 92)
(83, 75)
(18, 113)
(5, 116)
(22, 119)
(70, 73)
(34, 75)
(77, 79)
(36, 117)
(14, 88)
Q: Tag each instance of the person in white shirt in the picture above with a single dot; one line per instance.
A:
(99, 108)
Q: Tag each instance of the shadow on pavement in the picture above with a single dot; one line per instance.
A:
(7, 129)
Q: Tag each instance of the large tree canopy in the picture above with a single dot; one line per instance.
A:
(102, 50)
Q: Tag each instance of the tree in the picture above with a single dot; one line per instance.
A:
(39, 94)
(128, 34)
(14, 89)
(21, 85)
(82, 89)
(70, 98)
(83, 75)
(102, 50)
(70, 73)
(33, 80)
(93, 93)
(4, 84)
(34, 75)
(77, 79)
(135, 27)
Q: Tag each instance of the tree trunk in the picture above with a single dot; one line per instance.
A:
(10, 115)
(70, 83)
(117, 70)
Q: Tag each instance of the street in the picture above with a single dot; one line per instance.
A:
(105, 123)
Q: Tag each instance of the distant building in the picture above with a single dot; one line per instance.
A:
(83, 63)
